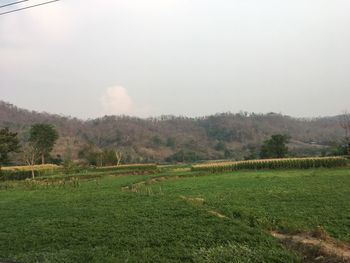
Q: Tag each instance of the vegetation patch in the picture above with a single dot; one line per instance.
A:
(14, 175)
(133, 167)
(171, 215)
(98, 222)
(230, 252)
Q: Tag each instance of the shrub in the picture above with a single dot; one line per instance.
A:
(132, 167)
(15, 175)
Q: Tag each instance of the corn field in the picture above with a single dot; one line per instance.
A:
(297, 163)
(39, 167)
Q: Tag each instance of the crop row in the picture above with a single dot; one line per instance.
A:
(298, 163)
(24, 172)
(127, 167)
(39, 167)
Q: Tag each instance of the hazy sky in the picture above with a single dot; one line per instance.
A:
(189, 57)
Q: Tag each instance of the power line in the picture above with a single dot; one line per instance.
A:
(27, 7)
(14, 3)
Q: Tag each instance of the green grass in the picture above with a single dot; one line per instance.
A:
(289, 201)
(97, 221)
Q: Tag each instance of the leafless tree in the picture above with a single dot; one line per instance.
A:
(119, 156)
(30, 155)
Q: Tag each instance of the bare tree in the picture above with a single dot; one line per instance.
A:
(100, 156)
(119, 156)
(30, 155)
(345, 124)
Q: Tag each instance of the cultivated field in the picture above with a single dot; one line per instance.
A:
(173, 214)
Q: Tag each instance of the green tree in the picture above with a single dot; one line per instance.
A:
(183, 156)
(43, 136)
(220, 146)
(275, 147)
(156, 141)
(171, 142)
(8, 143)
(91, 154)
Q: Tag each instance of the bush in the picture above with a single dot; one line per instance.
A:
(132, 167)
(15, 175)
(69, 167)
(184, 156)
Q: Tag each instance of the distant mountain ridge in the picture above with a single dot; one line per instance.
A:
(218, 136)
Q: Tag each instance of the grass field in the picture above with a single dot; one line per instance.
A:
(159, 220)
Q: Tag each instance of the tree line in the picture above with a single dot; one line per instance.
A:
(37, 147)
(220, 136)
(41, 138)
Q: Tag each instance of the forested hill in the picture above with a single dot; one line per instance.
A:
(218, 136)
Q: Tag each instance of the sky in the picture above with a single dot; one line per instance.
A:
(181, 57)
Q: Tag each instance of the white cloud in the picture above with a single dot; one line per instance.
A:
(116, 101)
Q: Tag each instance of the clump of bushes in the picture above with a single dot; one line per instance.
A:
(184, 156)
(127, 167)
(15, 174)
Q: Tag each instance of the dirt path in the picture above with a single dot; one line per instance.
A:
(328, 245)
(200, 202)
(135, 187)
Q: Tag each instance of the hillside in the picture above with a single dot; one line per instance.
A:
(217, 136)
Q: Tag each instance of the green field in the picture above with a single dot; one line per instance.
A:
(117, 219)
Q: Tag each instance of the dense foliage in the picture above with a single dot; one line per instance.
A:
(8, 175)
(131, 167)
(43, 137)
(275, 147)
(184, 156)
(8, 143)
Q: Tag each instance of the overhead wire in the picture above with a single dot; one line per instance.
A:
(13, 3)
(28, 7)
